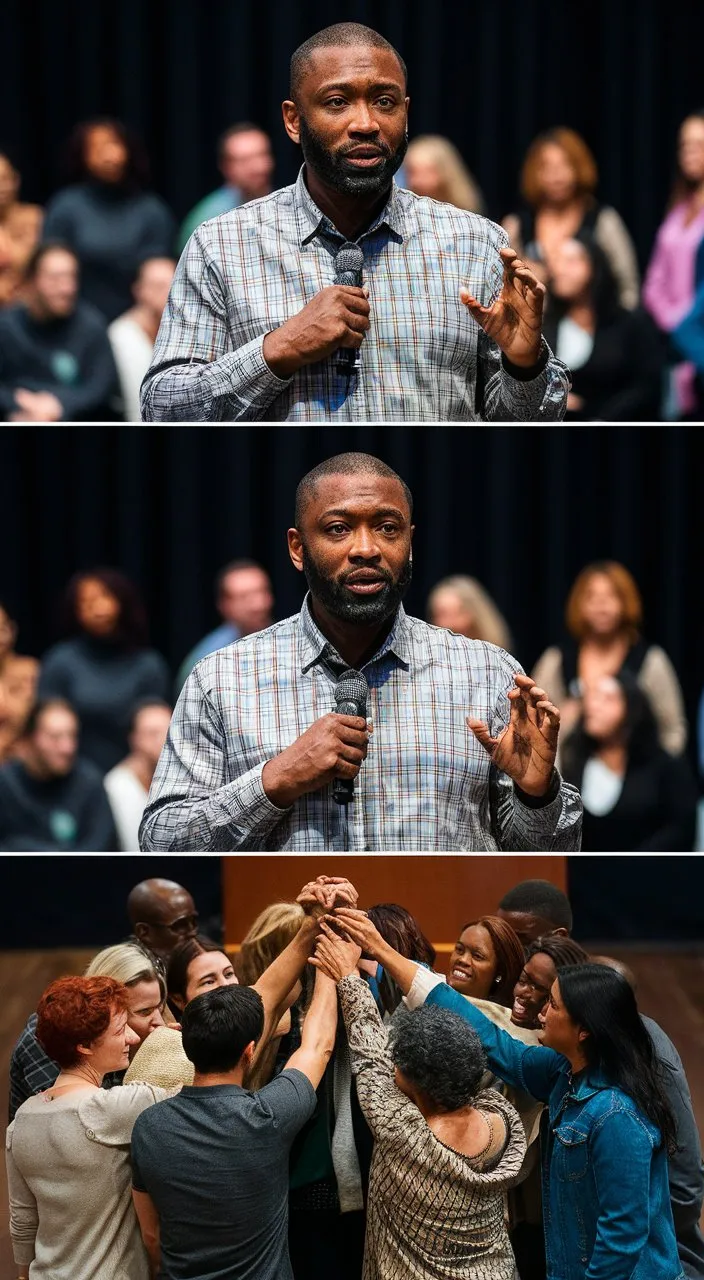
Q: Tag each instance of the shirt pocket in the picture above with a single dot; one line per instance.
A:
(571, 1153)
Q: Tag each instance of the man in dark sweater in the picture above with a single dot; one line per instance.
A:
(50, 801)
(56, 362)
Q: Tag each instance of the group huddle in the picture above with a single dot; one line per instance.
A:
(341, 1109)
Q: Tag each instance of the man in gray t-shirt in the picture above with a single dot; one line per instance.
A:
(210, 1165)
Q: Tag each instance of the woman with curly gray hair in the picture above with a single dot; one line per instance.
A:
(444, 1152)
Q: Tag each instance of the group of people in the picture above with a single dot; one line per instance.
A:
(86, 733)
(324, 1102)
(84, 283)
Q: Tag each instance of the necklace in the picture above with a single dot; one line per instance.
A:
(490, 1142)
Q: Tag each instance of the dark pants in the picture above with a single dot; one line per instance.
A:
(325, 1244)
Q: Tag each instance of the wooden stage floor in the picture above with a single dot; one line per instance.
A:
(670, 990)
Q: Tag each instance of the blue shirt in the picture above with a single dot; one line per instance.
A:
(606, 1197)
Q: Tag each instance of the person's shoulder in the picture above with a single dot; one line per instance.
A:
(290, 1087)
(11, 317)
(448, 646)
(255, 213)
(87, 774)
(64, 650)
(10, 772)
(247, 650)
(89, 317)
(424, 209)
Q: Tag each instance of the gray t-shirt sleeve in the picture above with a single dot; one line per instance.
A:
(291, 1100)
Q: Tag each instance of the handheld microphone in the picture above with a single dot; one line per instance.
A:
(349, 261)
(350, 696)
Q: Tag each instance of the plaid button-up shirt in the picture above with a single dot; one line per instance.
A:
(424, 358)
(426, 782)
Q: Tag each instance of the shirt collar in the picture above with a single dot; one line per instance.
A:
(588, 1083)
(310, 221)
(314, 643)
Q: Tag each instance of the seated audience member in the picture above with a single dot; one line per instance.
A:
(105, 668)
(558, 184)
(56, 364)
(670, 279)
(461, 604)
(18, 682)
(20, 229)
(32, 1070)
(604, 616)
(434, 167)
(128, 783)
(536, 908)
(610, 1123)
(636, 797)
(210, 1199)
(133, 334)
(162, 914)
(614, 355)
(51, 800)
(246, 163)
(486, 961)
(107, 215)
(68, 1163)
(445, 1151)
(245, 602)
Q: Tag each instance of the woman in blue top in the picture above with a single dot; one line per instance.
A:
(606, 1199)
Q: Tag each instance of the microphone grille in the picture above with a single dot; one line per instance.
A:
(349, 258)
(352, 687)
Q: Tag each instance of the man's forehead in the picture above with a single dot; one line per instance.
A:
(363, 489)
(173, 900)
(340, 63)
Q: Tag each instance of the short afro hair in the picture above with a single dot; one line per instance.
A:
(439, 1053)
(345, 464)
(539, 898)
(342, 35)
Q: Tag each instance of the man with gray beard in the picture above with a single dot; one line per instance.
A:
(458, 748)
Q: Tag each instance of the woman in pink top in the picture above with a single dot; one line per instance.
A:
(668, 291)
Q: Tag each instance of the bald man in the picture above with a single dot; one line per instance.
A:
(162, 914)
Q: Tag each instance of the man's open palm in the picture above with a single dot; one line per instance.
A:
(526, 748)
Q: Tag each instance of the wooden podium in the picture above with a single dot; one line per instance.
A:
(442, 892)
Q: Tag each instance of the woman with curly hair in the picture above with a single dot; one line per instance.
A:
(105, 667)
(445, 1151)
(68, 1148)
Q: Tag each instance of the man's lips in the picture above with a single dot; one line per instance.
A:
(365, 584)
(364, 156)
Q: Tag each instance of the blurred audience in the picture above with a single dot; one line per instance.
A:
(20, 229)
(636, 796)
(558, 184)
(434, 167)
(52, 801)
(132, 335)
(107, 215)
(105, 668)
(246, 162)
(245, 601)
(614, 355)
(669, 286)
(162, 915)
(18, 682)
(77, 1153)
(32, 1070)
(604, 615)
(462, 604)
(536, 909)
(486, 961)
(56, 362)
(128, 783)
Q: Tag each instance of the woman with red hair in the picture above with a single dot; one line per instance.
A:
(604, 615)
(486, 961)
(68, 1149)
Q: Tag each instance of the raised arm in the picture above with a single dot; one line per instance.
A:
(318, 1035)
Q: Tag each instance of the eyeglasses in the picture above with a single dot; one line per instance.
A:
(184, 924)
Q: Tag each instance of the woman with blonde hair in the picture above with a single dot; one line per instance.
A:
(266, 938)
(434, 167)
(461, 604)
(604, 616)
(558, 184)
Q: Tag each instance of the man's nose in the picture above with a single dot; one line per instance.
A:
(364, 546)
(363, 120)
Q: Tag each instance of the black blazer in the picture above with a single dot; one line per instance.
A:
(655, 812)
(622, 379)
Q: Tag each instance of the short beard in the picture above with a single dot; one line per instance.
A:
(361, 611)
(333, 169)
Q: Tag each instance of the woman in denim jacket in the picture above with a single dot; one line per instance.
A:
(606, 1199)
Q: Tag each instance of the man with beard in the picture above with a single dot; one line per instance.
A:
(460, 751)
(447, 325)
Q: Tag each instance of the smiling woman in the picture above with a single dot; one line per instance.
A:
(486, 961)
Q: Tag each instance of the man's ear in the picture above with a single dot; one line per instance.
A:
(295, 549)
(292, 120)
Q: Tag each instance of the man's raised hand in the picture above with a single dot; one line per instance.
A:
(526, 748)
(514, 320)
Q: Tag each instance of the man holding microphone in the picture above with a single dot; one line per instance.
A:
(445, 318)
(452, 747)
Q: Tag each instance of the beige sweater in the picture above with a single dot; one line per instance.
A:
(69, 1180)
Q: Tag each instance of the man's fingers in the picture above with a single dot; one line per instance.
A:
(475, 308)
(481, 732)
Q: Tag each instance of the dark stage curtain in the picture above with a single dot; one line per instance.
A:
(521, 508)
(488, 75)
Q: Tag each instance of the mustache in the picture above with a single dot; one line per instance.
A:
(382, 147)
(381, 573)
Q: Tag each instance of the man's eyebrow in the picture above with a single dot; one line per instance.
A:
(382, 86)
(346, 512)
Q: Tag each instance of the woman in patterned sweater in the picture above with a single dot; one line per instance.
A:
(444, 1153)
